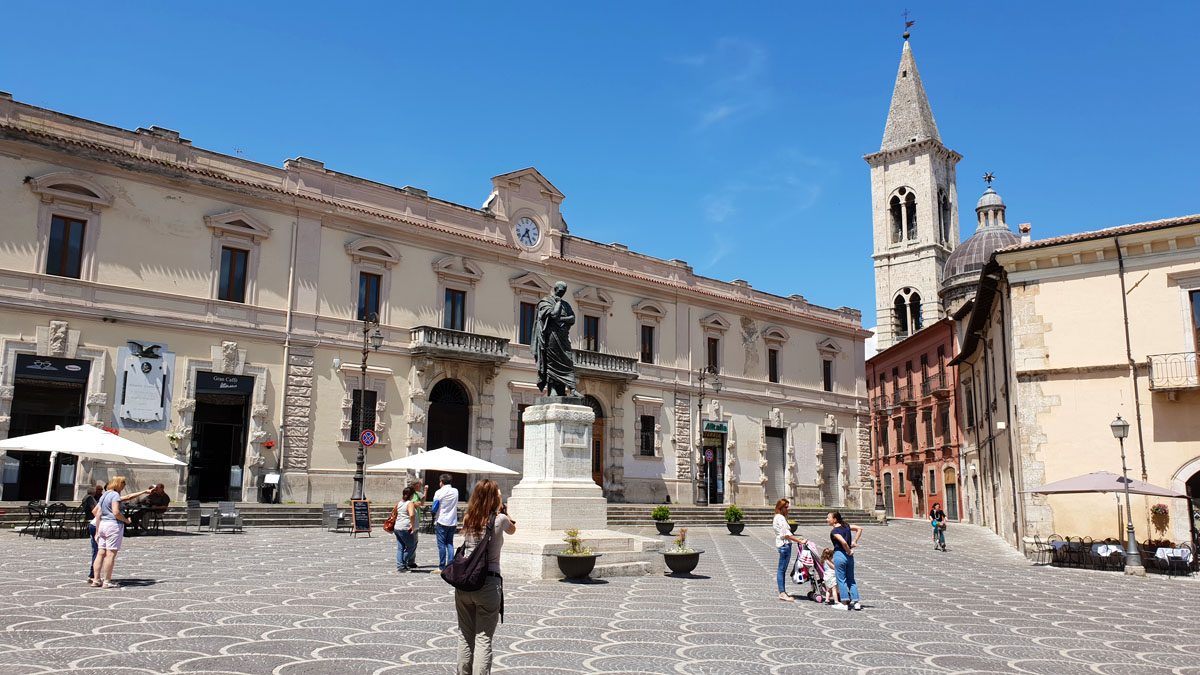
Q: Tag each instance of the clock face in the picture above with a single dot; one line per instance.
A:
(527, 232)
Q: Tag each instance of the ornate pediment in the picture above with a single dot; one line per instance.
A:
(373, 250)
(593, 297)
(238, 223)
(715, 322)
(829, 347)
(71, 187)
(649, 309)
(774, 335)
(458, 268)
(530, 284)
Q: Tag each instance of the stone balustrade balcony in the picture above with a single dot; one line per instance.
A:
(607, 366)
(458, 345)
(1173, 372)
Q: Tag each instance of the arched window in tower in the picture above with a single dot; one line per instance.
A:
(944, 214)
(910, 210)
(897, 220)
(900, 316)
(914, 311)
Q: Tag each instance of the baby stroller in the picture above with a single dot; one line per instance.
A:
(808, 569)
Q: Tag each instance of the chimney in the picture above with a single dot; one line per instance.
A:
(1025, 228)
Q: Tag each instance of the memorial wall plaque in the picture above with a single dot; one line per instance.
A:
(145, 371)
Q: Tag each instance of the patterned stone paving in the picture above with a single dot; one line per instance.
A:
(292, 602)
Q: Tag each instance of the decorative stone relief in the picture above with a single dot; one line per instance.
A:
(683, 434)
(6, 392)
(58, 338)
(228, 359)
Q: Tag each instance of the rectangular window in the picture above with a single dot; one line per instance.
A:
(646, 436)
(898, 425)
(883, 437)
(367, 412)
(827, 375)
(714, 354)
(65, 255)
(232, 284)
(927, 420)
(521, 425)
(932, 482)
(647, 344)
(773, 365)
(455, 317)
(910, 428)
(368, 295)
(944, 423)
(924, 365)
(900, 480)
(1195, 296)
(591, 333)
(528, 312)
(970, 408)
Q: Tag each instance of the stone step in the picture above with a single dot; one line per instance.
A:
(623, 569)
(622, 557)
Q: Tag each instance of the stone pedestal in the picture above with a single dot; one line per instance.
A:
(557, 493)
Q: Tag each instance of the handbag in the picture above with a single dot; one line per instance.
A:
(389, 525)
(468, 571)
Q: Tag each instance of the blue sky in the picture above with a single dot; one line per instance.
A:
(729, 135)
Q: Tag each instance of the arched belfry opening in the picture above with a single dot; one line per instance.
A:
(449, 426)
(910, 212)
(597, 440)
(906, 313)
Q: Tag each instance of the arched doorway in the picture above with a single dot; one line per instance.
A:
(449, 425)
(597, 440)
(951, 480)
(1193, 493)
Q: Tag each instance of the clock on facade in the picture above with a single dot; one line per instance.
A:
(528, 232)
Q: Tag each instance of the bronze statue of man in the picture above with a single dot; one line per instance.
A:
(552, 343)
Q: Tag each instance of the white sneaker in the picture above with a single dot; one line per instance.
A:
(843, 606)
(857, 607)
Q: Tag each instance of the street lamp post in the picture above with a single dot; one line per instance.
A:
(1133, 559)
(371, 341)
(703, 375)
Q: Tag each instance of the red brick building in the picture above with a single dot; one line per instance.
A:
(914, 436)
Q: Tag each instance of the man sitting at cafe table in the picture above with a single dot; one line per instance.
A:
(157, 501)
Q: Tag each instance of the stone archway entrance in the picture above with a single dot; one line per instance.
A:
(449, 426)
(597, 440)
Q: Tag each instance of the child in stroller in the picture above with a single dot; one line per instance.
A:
(810, 570)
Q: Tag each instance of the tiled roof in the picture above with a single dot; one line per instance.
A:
(1193, 219)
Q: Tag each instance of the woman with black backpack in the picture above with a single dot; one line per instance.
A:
(480, 610)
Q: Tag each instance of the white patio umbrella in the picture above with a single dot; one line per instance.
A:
(444, 459)
(86, 441)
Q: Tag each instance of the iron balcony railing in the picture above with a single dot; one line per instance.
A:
(599, 364)
(935, 385)
(904, 395)
(1173, 371)
(458, 344)
(881, 403)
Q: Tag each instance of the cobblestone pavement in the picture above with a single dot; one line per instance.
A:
(305, 601)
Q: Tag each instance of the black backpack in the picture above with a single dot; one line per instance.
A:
(468, 571)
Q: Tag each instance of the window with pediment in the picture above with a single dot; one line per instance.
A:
(457, 276)
(236, 236)
(68, 223)
(650, 314)
(371, 263)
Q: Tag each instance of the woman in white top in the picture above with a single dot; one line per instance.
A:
(405, 529)
(783, 542)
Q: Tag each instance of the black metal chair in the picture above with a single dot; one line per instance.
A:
(52, 524)
(154, 522)
(81, 520)
(1042, 550)
(1057, 557)
(35, 511)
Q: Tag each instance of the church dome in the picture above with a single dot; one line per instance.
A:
(970, 256)
(989, 198)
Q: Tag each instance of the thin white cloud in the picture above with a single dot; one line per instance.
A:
(733, 84)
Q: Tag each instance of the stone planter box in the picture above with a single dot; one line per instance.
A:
(682, 563)
(664, 527)
(577, 566)
(735, 528)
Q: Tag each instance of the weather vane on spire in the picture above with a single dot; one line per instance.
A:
(907, 24)
(988, 178)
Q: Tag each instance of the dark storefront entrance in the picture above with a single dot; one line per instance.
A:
(449, 421)
(713, 472)
(47, 391)
(219, 437)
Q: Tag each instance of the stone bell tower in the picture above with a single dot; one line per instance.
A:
(914, 204)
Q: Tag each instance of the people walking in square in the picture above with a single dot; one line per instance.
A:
(110, 532)
(845, 538)
(445, 507)
(88, 507)
(405, 530)
(783, 543)
(418, 500)
(479, 611)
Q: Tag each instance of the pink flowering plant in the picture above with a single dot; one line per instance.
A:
(1159, 509)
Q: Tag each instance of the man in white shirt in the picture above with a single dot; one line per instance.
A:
(446, 499)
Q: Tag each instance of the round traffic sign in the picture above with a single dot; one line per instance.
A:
(367, 438)
(708, 455)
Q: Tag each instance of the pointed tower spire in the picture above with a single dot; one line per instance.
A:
(910, 119)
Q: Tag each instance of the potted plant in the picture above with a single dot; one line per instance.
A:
(662, 519)
(733, 519)
(576, 561)
(680, 558)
